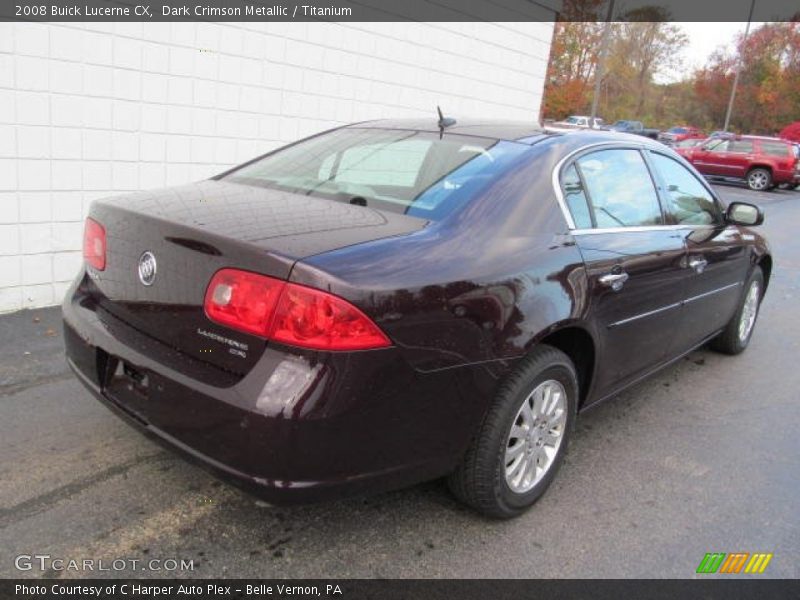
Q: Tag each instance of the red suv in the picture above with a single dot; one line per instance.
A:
(763, 162)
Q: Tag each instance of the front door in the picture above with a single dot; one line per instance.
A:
(712, 158)
(716, 261)
(634, 262)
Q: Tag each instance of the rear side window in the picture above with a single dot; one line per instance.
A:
(775, 149)
(619, 189)
(688, 201)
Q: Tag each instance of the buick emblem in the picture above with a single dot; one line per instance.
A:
(147, 268)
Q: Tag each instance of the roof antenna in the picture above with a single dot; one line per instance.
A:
(444, 122)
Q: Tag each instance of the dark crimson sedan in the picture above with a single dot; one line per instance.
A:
(391, 302)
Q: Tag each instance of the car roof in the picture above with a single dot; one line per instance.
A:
(526, 132)
(766, 138)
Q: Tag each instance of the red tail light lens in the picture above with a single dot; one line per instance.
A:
(313, 319)
(242, 300)
(94, 244)
(289, 313)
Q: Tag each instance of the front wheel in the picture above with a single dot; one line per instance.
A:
(737, 333)
(523, 438)
(759, 180)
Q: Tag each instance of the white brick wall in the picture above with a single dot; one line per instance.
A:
(88, 110)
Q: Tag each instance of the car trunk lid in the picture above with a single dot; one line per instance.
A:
(192, 232)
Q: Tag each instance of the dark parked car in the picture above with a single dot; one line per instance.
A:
(634, 127)
(389, 302)
(762, 162)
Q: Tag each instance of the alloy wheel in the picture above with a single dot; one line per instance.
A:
(758, 180)
(535, 436)
(749, 312)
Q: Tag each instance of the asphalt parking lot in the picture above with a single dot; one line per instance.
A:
(704, 457)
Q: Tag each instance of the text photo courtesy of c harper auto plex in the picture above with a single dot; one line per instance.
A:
(442, 299)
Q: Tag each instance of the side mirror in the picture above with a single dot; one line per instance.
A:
(742, 213)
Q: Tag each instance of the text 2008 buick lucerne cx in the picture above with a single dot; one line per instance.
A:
(396, 301)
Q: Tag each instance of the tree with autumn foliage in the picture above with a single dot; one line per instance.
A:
(643, 45)
(768, 95)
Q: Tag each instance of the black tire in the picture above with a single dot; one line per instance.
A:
(729, 340)
(480, 480)
(759, 179)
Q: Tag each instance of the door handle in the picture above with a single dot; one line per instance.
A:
(614, 280)
(698, 263)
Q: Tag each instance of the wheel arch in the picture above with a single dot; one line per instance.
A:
(579, 345)
(766, 167)
(765, 262)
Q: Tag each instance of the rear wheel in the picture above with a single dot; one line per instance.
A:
(521, 442)
(737, 333)
(759, 179)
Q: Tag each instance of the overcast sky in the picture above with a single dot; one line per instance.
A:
(704, 38)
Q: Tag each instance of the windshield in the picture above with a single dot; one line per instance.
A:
(402, 171)
(677, 130)
(573, 120)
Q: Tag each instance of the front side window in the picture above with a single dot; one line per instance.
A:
(619, 188)
(403, 171)
(688, 200)
(742, 146)
(721, 145)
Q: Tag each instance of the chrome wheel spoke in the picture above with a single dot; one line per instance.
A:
(551, 437)
(515, 451)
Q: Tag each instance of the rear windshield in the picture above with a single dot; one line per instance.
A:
(409, 172)
(677, 130)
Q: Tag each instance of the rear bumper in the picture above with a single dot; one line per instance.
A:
(300, 426)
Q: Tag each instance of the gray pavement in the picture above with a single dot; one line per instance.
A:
(703, 457)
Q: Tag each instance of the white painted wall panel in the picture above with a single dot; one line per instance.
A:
(88, 110)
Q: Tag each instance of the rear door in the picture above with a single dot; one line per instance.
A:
(634, 262)
(716, 253)
(740, 155)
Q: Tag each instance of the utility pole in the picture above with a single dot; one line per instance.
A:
(738, 68)
(601, 62)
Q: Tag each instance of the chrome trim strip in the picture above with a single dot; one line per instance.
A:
(643, 315)
(673, 305)
(639, 228)
(716, 291)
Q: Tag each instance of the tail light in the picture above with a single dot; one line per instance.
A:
(94, 244)
(289, 313)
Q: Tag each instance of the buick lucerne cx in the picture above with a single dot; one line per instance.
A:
(391, 302)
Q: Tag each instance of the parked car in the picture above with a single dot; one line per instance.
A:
(634, 127)
(395, 301)
(685, 146)
(580, 122)
(680, 133)
(793, 185)
(762, 162)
